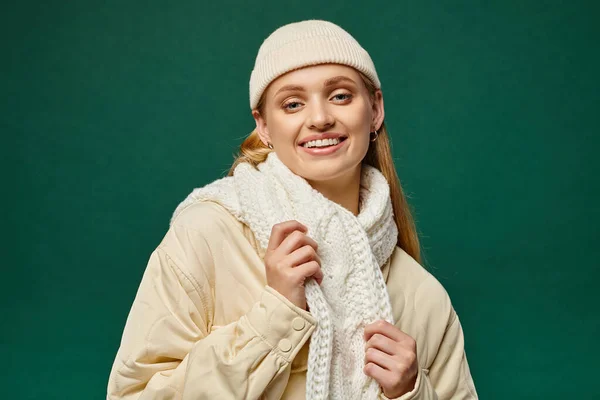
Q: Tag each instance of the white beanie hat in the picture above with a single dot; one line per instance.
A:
(304, 43)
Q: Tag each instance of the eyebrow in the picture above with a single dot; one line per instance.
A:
(329, 82)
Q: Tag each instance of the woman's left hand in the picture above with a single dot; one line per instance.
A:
(390, 358)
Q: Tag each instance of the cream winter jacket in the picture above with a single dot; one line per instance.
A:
(204, 324)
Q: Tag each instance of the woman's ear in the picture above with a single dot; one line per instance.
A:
(261, 127)
(378, 111)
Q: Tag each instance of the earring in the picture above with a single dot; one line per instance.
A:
(374, 138)
(270, 146)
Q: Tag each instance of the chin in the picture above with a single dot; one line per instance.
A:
(322, 170)
(324, 174)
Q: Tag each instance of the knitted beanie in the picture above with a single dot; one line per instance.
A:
(304, 43)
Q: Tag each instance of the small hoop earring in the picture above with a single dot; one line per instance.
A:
(270, 146)
(376, 136)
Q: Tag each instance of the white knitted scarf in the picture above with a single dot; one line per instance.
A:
(352, 250)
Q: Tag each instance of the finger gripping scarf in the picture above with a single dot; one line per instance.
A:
(352, 250)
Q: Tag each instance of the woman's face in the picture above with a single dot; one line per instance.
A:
(327, 102)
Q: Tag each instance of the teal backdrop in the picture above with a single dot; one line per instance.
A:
(114, 111)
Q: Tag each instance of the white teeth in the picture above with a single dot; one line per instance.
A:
(321, 143)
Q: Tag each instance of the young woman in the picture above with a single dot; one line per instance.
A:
(298, 275)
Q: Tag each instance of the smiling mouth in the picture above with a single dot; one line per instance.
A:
(323, 143)
(324, 148)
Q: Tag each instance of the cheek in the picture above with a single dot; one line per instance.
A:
(360, 126)
(284, 129)
(359, 118)
(362, 135)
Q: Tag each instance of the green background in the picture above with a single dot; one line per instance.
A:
(114, 111)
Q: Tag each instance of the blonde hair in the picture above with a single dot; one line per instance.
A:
(379, 155)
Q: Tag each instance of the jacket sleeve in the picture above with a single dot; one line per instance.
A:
(444, 372)
(167, 350)
(449, 376)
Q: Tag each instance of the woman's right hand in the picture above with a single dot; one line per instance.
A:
(291, 257)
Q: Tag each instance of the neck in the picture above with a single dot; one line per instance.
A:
(344, 190)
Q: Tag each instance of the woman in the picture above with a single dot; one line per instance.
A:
(298, 275)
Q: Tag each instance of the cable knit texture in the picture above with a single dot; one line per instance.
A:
(352, 249)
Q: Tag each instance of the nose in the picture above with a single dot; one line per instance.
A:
(319, 117)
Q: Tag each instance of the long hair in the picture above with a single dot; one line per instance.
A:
(379, 155)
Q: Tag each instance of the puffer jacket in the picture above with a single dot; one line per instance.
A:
(205, 325)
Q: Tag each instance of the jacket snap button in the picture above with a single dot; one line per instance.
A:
(298, 324)
(285, 345)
